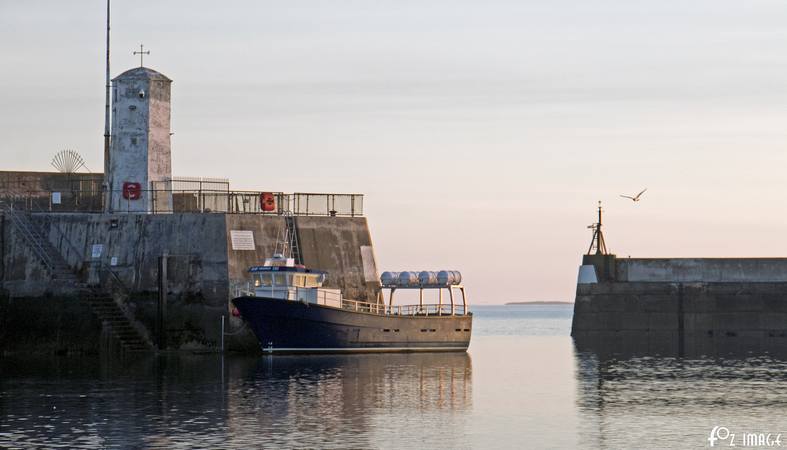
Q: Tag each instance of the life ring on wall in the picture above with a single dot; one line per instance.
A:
(132, 191)
(267, 202)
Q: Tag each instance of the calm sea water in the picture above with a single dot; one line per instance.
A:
(521, 385)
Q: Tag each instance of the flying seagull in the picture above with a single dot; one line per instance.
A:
(636, 197)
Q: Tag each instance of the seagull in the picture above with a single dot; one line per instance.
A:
(636, 197)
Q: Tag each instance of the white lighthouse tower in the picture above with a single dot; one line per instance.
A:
(140, 160)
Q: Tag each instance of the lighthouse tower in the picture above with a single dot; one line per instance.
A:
(140, 160)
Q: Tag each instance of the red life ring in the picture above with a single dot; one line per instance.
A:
(132, 191)
(267, 202)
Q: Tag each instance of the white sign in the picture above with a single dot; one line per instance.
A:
(113, 261)
(242, 239)
(97, 250)
(56, 198)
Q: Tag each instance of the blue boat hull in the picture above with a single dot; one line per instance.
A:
(284, 326)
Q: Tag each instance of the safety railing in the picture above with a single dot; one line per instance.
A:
(164, 201)
(309, 204)
(32, 238)
(404, 310)
(334, 298)
(327, 297)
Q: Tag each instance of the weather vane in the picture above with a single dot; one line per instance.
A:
(141, 54)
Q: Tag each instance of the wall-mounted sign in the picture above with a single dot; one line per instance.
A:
(56, 198)
(96, 251)
(114, 261)
(242, 239)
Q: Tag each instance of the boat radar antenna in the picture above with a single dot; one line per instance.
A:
(598, 236)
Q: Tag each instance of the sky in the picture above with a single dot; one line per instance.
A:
(483, 134)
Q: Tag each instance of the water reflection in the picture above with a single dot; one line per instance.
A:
(632, 401)
(210, 402)
(734, 345)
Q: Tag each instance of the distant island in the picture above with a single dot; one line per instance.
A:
(540, 303)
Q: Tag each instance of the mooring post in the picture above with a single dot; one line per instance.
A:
(162, 302)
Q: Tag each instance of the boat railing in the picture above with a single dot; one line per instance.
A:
(327, 297)
(241, 289)
(333, 298)
(405, 310)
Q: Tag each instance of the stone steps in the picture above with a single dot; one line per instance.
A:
(105, 308)
(102, 305)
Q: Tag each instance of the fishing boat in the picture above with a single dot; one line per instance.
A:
(289, 310)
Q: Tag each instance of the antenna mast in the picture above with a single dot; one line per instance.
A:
(106, 124)
(598, 237)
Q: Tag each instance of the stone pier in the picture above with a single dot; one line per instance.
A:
(203, 263)
(691, 306)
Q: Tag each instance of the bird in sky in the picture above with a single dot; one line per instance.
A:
(636, 197)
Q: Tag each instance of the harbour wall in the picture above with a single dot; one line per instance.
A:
(203, 263)
(692, 306)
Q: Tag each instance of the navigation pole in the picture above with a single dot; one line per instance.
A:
(106, 126)
(598, 237)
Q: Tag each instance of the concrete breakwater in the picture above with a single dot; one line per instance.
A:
(193, 259)
(691, 306)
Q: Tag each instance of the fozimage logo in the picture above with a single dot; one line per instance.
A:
(722, 436)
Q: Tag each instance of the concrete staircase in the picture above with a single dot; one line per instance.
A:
(109, 312)
(50, 257)
(101, 302)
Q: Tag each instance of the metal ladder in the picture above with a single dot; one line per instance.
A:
(290, 246)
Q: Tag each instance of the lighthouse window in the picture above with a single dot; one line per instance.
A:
(133, 141)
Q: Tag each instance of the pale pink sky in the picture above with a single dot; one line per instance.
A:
(482, 133)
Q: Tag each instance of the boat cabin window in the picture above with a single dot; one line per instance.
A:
(313, 281)
(302, 280)
(262, 279)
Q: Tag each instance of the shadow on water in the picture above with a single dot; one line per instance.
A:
(211, 401)
(629, 396)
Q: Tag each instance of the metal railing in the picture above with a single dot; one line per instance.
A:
(31, 236)
(164, 201)
(404, 310)
(306, 204)
(335, 299)
(293, 293)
